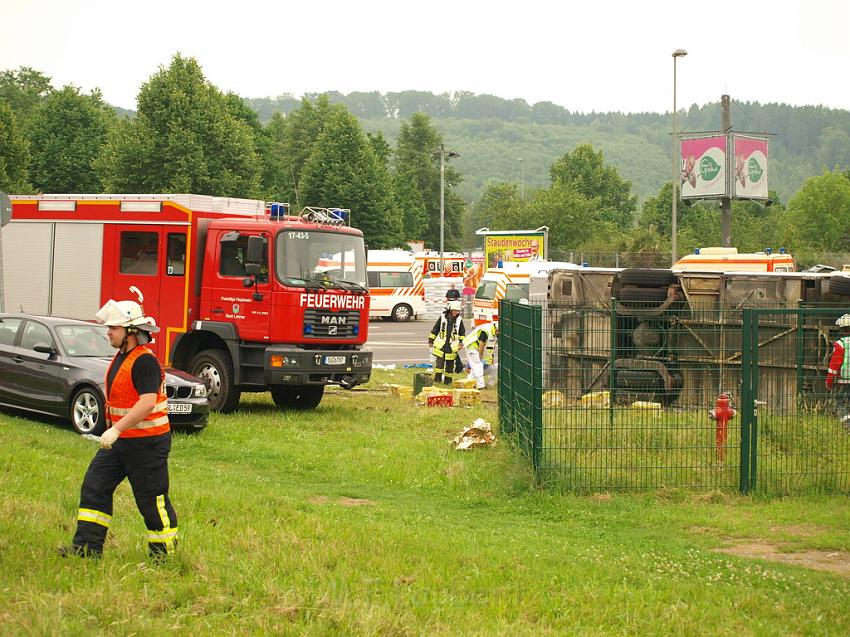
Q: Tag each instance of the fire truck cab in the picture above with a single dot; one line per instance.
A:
(247, 297)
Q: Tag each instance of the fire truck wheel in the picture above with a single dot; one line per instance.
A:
(840, 285)
(646, 277)
(299, 397)
(87, 413)
(402, 312)
(216, 370)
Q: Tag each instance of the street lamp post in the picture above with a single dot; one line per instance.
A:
(443, 155)
(521, 180)
(678, 53)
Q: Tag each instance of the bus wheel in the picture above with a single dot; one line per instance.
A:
(215, 368)
(402, 312)
(301, 397)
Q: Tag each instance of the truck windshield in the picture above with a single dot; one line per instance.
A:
(321, 258)
(486, 290)
(516, 291)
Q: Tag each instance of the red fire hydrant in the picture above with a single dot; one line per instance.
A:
(722, 413)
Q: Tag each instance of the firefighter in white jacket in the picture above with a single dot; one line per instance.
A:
(480, 344)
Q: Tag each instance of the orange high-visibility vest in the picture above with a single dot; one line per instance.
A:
(123, 395)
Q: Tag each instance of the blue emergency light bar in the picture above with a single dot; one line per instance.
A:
(278, 210)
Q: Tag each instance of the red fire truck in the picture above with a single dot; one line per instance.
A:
(242, 291)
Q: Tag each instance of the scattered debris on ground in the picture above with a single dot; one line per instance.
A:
(478, 434)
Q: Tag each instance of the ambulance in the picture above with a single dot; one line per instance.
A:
(510, 281)
(396, 287)
(730, 260)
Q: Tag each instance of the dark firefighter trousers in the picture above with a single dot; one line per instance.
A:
(446, 365)
(145, 462)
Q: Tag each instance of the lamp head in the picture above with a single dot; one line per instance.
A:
(679, 53)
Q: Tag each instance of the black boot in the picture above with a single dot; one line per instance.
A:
(438, 377)
(74, 550)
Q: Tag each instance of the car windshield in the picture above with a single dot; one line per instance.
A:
(322, 258)
(84, 340)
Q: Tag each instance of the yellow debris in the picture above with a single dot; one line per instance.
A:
(467, 397)
(643, 404)
(596, 399)
(464, 383)
(554, 398)
(400, 391)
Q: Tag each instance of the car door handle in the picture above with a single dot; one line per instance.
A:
(18, 359)
(218, 310)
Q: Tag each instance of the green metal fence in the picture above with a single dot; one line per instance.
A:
(619, 398)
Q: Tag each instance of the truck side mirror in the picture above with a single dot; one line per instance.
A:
(254, 254)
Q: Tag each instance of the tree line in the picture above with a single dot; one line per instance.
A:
(379, 155)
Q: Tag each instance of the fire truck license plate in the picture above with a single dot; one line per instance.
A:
(334, 360)
(179, 408)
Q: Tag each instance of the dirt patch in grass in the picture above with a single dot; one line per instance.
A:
(346, 502)
(837, 562)
(797, 530)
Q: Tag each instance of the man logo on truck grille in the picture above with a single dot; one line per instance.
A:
(334, 320)
(332, 330)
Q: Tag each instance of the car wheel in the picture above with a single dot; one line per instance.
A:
(215, 368)
(646, 277)
(402, 312)
(87, 412)
(301, 397)
(840, 285)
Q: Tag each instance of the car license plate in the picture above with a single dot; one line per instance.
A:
(334, 360)
(179, 408)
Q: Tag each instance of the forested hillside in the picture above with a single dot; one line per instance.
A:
(599, 181)
(500, 139)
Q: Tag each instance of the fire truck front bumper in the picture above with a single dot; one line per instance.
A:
(293, 366)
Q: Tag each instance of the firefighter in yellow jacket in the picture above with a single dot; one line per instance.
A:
(445, 340)
(136, 444)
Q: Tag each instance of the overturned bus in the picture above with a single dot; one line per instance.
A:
(675, 337)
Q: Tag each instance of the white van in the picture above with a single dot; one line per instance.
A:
(396, 288)
(510, 281)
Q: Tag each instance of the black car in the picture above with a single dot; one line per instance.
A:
(57, 366)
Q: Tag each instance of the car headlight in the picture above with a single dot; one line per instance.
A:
(200, 391)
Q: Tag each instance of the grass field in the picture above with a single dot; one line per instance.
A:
(359, 518)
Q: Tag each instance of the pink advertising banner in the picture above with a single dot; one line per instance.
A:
(750, 178)
(703, 167)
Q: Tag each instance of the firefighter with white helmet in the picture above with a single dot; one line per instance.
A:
(136, 444)
(838, 373)
(445, 340)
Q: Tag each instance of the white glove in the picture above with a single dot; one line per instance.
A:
(108, 438)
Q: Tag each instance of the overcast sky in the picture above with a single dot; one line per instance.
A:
(601, 55)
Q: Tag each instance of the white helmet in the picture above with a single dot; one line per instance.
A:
(843, 321)
(455, 305)
(125, 314)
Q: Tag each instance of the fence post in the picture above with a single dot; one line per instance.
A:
(536, 387)
(754, 392)
(746, 401)
(612, 363)
(505, 369)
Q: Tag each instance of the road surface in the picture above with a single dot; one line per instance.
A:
(399, 343)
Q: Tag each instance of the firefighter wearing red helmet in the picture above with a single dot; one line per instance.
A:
(838, 374)
(136, 444)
